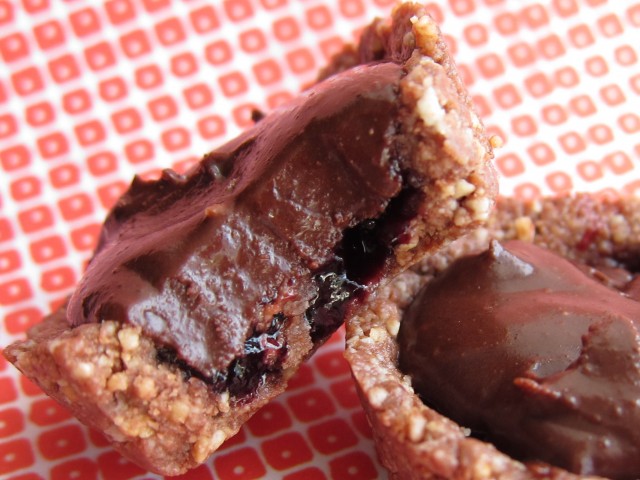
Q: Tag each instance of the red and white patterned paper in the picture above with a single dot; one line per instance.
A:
(93, 92)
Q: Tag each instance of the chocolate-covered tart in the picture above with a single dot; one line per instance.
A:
(528, 331)
(207, 290)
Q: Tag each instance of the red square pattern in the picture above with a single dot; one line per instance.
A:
(75, 468)
(84, 22)
(58, 279)
(8, 125)
(239, 464)
(47, 249)
(135, 43)
(311, 405)
(286, 451)
(85, 238)
(39, 114)
(64, 68)
(100, 56)
(198, 96)
(65, 175)
(9, 261)
(332, 436)
(87, 129)
(27, 81)
(120, 11)
(354, 465)
(47, 411)
(252, 40)
(11, 422)
(102, 163)
(113, 466)
(170, 31)
(211, 126)
(17, 454)
(204, 19)
(75, 206)
(49, 34)
(15, 291)
(13, 47)
(25, 188)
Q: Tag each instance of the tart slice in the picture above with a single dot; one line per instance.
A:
(512, 353)
(208, 290)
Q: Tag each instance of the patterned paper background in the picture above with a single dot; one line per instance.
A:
(92, 93)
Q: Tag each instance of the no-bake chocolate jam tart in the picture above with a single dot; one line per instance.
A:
(207, 290)
(512, 353)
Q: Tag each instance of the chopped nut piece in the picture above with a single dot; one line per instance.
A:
(179, 411)
(129, 338)
(480, 208)
(463, 188)
(117, 382)
(525, 230)
(417, 424)
(376, 334)
(377, 396)
(145, 388)
(496, 141)
(393, 326)
(620, 229)
(430, 109)
(83, 370)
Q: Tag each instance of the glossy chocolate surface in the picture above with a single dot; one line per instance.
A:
(214, 263)
(533, 354)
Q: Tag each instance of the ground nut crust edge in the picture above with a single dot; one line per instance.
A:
(108, 375)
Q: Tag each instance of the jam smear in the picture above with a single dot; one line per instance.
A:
(264, 352)
(366, 247)
(334, 289)
(360, 261)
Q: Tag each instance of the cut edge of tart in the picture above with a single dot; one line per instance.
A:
(151, 406)
(413, 440)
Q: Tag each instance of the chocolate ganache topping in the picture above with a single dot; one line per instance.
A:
(212, 264)
(533, 354)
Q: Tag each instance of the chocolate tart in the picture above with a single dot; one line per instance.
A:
(415, 441)
(208, 290)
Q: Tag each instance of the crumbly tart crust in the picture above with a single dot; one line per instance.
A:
(414, 441)
(109, 374)
(442, 130)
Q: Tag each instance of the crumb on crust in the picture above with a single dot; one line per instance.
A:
(441, 129)
(108, 375)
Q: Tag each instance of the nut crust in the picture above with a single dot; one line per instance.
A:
(108, 375)
(414, 441)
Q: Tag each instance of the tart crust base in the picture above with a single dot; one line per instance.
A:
(416, 442)
(109, 377)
